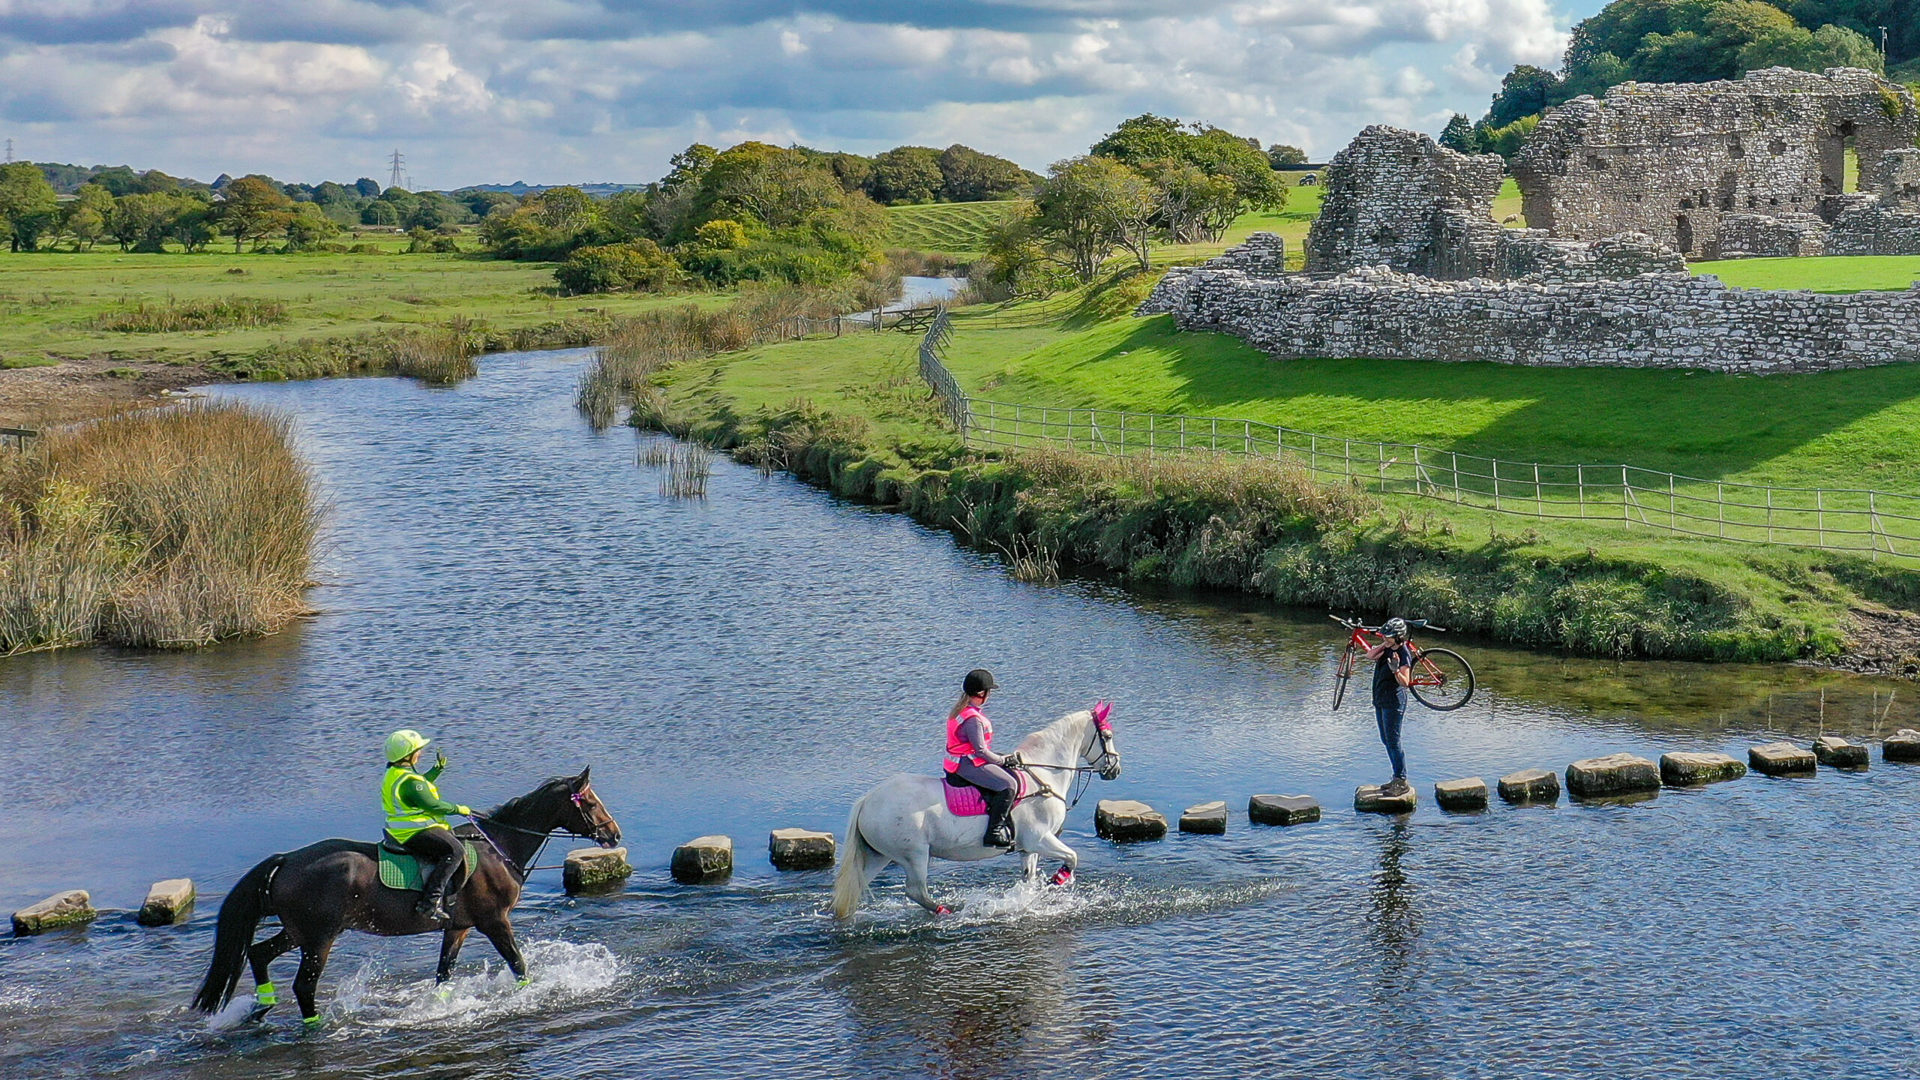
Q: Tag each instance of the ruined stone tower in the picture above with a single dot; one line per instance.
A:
(1673, 160)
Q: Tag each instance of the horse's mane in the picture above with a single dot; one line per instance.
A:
(510, 810)
(1032, 741)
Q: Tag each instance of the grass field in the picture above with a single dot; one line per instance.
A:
(957, 229)
(1834, 274)
(54, 304)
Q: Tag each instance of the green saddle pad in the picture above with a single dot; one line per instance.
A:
(403, 871)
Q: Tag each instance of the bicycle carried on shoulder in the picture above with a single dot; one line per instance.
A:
(1442, 678)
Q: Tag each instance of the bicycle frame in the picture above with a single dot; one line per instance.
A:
(1363, 639)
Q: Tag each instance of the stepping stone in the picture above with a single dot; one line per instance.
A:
(1902, 745)
(1612, 775)
(1461, 796)
(1837, 753)
(1124, 821)
(1531, 786)
(800, 849)
(590, 870)
(1368, 799)
(703, 859)
(1781, 759)
(71, 908)
(1282, 809)
(1684, 768)
(168, 902)
(1209, 818)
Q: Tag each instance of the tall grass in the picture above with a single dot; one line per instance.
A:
(220, 313)
(688, 466)
(170, 527)
(440, 357)
(634, 349)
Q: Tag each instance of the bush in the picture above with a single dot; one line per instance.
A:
(638, 266)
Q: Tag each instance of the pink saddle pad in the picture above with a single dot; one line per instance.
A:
(968, 801)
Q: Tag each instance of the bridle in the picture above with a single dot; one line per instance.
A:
(1083, 774)
(482, 822)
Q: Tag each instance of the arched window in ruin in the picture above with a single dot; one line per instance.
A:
(1839, 172)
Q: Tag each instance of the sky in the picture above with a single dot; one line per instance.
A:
(570, 91)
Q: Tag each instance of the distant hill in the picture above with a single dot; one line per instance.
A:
(521, 187)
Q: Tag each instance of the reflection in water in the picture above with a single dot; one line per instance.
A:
(511, 582)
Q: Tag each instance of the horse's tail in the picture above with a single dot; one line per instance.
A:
(240, 913)
(851, 879)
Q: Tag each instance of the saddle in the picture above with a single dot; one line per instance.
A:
(400, 869)
(966, 800)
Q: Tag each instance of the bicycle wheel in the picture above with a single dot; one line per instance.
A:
(1341, 676)
(1442, 679)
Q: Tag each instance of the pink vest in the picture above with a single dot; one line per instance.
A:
(958, 747)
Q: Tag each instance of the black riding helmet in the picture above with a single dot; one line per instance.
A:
(979, 681)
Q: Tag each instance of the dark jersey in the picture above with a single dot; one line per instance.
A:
(1387, 691)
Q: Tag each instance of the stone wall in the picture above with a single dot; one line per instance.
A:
(1875, 230)
(1758, 236)
(1671, 160)
(1654, 321)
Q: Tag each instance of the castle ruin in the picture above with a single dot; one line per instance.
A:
(1754, 166)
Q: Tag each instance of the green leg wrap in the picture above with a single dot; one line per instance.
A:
(264, 994)
(526, 981)
(310, 1020)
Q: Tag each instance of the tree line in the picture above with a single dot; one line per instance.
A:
(1694, 41)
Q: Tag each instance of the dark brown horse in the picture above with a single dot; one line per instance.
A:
(334, 885)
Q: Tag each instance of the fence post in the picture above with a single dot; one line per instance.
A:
(1123, 434)
(1820, 513)
(1769, 515)
(1626, 496)
(1213, 438)
(1496, 484)
(1672, 520)
(1246, 438)
(1580, 485)
(1720, 488)
(1183, 433)
(1539, 508)
(1150, 435)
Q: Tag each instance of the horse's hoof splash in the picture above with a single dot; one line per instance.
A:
(1062, 876)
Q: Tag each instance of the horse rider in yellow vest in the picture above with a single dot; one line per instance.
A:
(417, 819)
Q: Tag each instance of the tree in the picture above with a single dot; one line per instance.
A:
(1458, 135)
(27, 204)
(84, 220)
(307, 226)
(907, 174)
(967, 175)
(253, 209)
(775, 186)
(1190, 205)
(1828, 47)
(1089, 205)
(688, 167)
(142, 222)
(1147, 139)
(1282, 156)
(193, 226)
(366, 188)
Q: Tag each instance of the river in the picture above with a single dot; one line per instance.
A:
(512, 583)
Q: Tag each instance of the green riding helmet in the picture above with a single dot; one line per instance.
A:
(401, 744)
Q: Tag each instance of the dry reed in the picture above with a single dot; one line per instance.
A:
(688, 466)
(224, 313)
(164, 527)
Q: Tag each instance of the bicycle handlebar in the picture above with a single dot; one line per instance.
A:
(1412, 624)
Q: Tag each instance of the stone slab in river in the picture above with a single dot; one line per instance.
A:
(1837, 753)
(71, 908)
(594, 869)
(703, 859)
(1781, 759)
(1126, 820)
(800, 849)
(1902, 745)
(168, 902)
(1531, 786)
(1368, 800)
(1684, 768)
(1282, 809)
(1209, 818)
(1461, 796)
(1614, 774)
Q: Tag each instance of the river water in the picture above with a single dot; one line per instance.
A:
(514, 584)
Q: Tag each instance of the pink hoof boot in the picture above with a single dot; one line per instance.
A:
(943, 910)
(1062, 876)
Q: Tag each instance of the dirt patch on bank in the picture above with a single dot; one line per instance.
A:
(1885, 641)
(74, 388)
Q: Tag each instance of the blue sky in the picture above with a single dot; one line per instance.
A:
(553, 91)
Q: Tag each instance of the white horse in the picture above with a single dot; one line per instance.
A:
(905, 820)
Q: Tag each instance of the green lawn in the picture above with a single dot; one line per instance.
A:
(49, 302)
(1832, 274)
(958, 229)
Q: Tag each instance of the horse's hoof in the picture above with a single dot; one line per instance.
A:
(523, 982)
(943, 910)
(258, 1011)
(310, 1023)
(1062, 876)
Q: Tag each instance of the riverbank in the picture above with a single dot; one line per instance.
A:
(853, 417)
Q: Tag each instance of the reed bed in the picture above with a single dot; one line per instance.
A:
(688, 466)
(656, 453)
(223, 313)
(441, 357)
(169, 528)
(632, 350)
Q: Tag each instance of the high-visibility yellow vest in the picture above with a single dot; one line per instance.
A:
(403, 821)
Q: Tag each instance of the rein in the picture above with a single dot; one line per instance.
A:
(545, 837)
(1082, 774)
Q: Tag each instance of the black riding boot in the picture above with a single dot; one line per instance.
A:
(999, 829)
(433, 898)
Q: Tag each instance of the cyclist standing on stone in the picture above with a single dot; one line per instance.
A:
(1392, 675)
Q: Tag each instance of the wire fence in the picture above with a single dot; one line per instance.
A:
(1844, 519)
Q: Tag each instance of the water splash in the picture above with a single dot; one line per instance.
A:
(1109, 901)
(561, 973)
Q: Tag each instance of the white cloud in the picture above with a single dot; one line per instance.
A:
(577, 90)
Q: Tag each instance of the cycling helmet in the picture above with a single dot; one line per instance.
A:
(1395, 628)
(979, 681)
